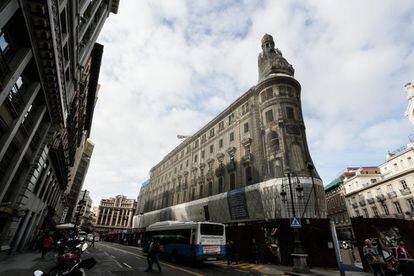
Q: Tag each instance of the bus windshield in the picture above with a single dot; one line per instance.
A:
(211, 229)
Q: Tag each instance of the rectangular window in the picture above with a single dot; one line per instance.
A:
(357, 213)
(411, 204)
(249, 179)
(365, 213)
(220, 143)
(263, 97)
(201, 191)
(63, 21)
(195, 158)
(221, 125)
(203, 138)
(232, 181)
(231, 118)
(269, 93)
(212, 132)
(202, 153)
(404, 185)
(3, 42)
(246, 127)
(186, 163)
(410, 161)
(231, 137)
(211, 148)
(289, 113)
(397, 207)
(390, 188)
(196, 144)
(375, 211)
(269, 116)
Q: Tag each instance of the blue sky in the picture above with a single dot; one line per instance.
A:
(170, 66)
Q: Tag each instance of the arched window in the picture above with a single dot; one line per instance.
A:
(273, 142)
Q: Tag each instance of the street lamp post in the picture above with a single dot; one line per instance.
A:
(299, 257)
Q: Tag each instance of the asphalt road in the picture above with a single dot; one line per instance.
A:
(116, 259)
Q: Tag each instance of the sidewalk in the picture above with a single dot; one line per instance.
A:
(268, 269)
(26, 263)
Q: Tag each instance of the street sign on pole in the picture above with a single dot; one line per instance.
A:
(295, 223)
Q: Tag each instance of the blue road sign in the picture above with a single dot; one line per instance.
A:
(295, 222)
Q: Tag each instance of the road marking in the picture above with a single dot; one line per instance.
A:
(118, 264)
(164, 263)
(113, 256)
(127, 265)
(239, 270)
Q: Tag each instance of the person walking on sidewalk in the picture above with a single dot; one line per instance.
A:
(373, 258)
(228, 252)
(254, 252)
(233, 251)
(153, 256)
(47, 244)
(406, 264)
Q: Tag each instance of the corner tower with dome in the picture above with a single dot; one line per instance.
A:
(238, 166)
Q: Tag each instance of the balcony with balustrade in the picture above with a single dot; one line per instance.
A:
(392, 194)
(405, 191)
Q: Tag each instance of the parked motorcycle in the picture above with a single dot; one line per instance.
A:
(74, 270)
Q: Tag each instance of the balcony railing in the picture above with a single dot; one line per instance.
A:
(392, 194)
(248, 158)
(231, 166)
(362, 202)
(355, 205)
(380, 198)
(405, 191)
(371, 200)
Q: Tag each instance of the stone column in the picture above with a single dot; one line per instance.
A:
(101, 221)
(117, 217)
(112, 216)
(129, 218)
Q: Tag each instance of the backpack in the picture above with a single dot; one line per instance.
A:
(155, 247)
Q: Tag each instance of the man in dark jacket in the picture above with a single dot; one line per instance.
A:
(153, 255)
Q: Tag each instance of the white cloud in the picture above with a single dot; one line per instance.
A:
(171, 66)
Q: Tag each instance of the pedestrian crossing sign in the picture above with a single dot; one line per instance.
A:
(295, 222)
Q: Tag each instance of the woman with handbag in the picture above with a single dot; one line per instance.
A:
(373, 257)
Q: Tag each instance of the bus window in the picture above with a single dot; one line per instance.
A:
(211, 229)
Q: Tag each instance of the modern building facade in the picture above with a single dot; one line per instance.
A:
(260, 137)
(115, 213)
(49, 69)
(386, 191)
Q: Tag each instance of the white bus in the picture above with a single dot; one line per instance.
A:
(188, 240)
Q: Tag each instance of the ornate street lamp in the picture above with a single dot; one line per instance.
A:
(299, 257)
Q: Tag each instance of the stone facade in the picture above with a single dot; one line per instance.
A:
(49, 69)
(83, 215)
(385, 192)
(115, 213)
(336, 206)
(260, 136)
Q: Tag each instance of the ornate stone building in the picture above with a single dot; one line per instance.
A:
(259, 137)
(115, 213)
(385, 192)
(49, 69)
